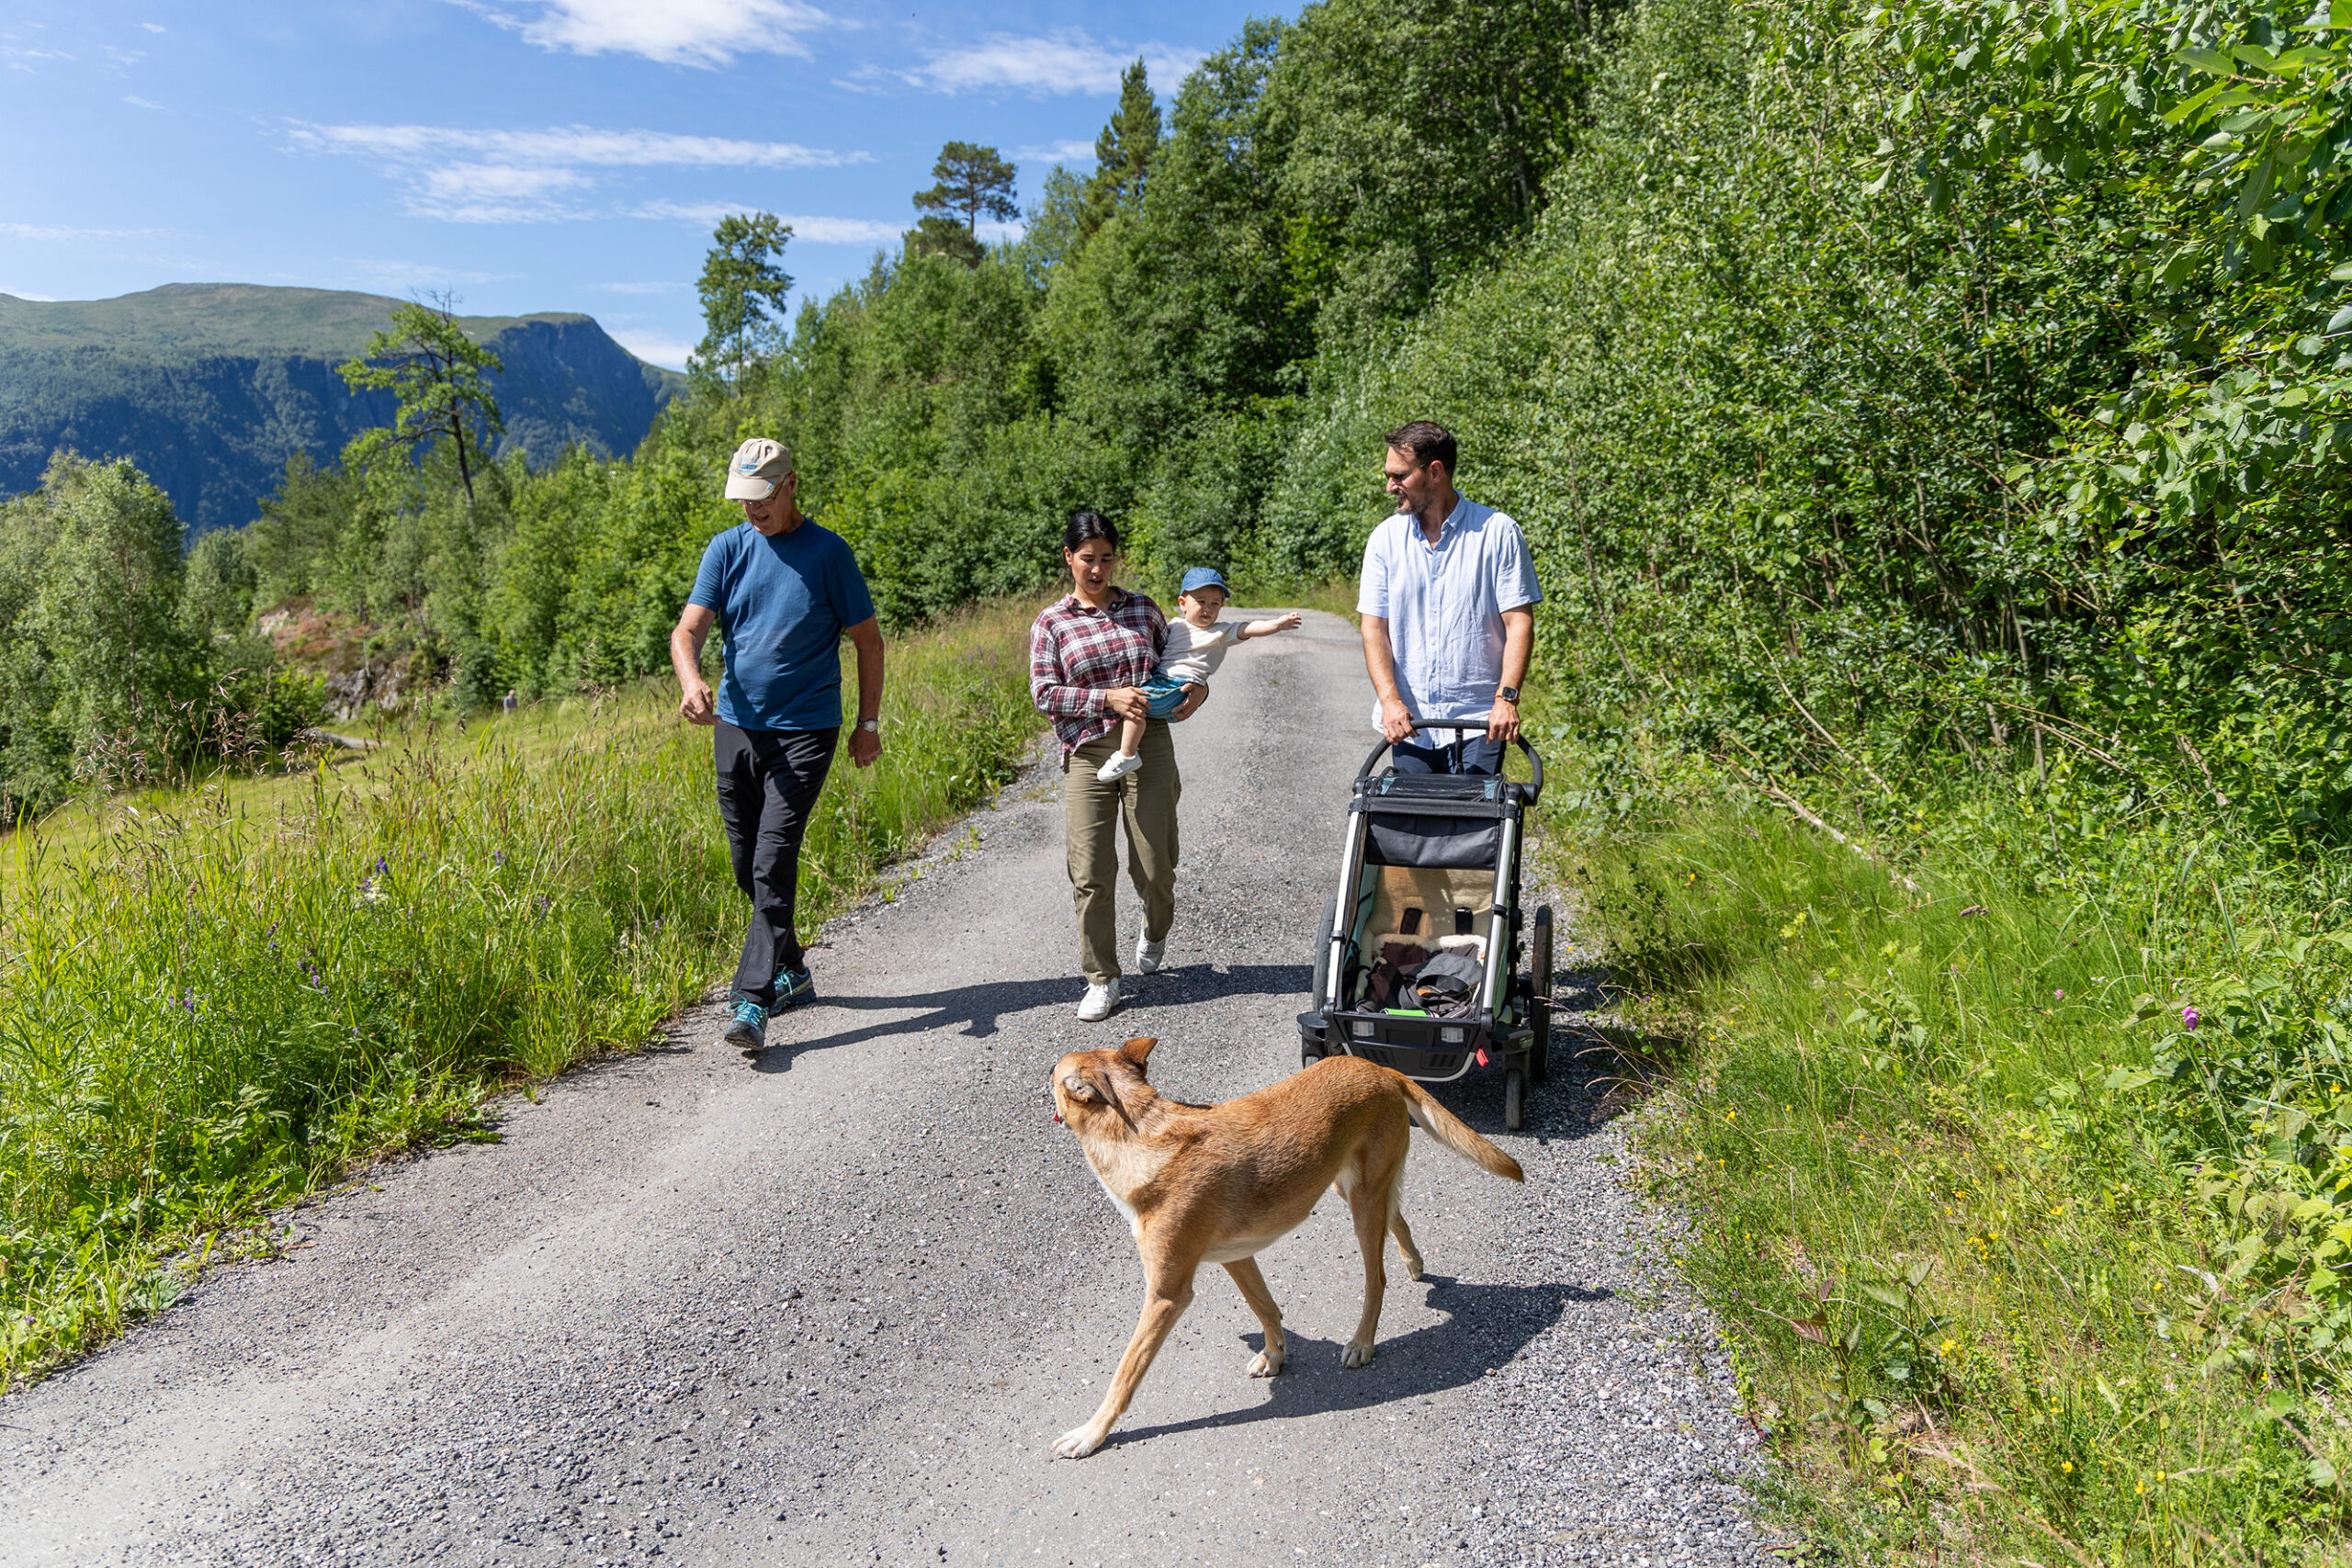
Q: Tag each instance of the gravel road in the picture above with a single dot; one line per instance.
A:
(830, 1305)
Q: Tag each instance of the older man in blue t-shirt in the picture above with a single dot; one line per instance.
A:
(783, 592)
(1448, 600)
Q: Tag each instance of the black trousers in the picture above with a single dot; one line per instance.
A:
(768, 781)
(1470, 753)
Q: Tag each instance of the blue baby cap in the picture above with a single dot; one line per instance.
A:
(1203, 577)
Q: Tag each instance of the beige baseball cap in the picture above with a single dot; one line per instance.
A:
(758, 467)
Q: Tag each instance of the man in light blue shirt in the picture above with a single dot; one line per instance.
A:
(1447, 600)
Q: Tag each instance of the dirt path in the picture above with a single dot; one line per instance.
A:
(831, 1307)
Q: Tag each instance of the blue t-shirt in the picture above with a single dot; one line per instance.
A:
(783, 604)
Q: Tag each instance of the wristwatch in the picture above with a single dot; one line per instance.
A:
(871, 726)
(1507, 694)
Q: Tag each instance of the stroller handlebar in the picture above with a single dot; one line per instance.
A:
(1534, 758)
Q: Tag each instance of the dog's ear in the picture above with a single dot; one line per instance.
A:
(1106, 1088)
(1079, 1088)
(1136, 1050)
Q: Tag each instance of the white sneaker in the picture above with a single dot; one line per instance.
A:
(1096, 1005)
(1149, 954)
(1118, 767)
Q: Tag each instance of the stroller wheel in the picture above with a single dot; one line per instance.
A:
(1514, 1099)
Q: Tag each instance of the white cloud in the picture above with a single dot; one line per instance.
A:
(152, 27)
(536, 176)
(1056, 152)
(61, 232)
(1067, 60)
(28, 294)
(140, 103)
(675, 32)
(421, 277)
(806, 230)
(651, 348)
(568, 144)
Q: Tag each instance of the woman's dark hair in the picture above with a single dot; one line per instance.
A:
(1085, 525)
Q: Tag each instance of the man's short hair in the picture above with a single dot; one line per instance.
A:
(1425, 441)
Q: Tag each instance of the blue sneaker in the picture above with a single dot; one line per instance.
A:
(794, 987)
(749, 1030)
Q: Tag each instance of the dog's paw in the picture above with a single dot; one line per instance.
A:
(1266, 1364)
(1356, 1356)
(1078, 1442)
(1412, 1266)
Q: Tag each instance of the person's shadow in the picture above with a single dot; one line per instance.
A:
(978, 1011)
(1486, 1327)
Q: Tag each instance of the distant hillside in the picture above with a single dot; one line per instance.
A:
(211, 387)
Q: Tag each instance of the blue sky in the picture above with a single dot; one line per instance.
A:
(529, 155)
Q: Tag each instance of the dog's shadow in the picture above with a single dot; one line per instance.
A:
(1487, 1326)
(976, 1012)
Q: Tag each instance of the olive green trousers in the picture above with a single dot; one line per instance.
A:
(1091, 812)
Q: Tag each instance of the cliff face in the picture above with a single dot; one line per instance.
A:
(210, 388)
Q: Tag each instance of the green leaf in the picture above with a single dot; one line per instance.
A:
(2211, 61)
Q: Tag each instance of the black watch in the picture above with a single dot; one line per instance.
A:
(1507, 694)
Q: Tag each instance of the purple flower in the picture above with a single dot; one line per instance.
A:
(381, 869)
(2059, 995)
(498, 857)
(2189, 1018)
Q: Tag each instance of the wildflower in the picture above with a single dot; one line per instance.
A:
(1946, 1347)
(2190, 1018)
(498, 857)
(2059, 995)
(2067, 1465)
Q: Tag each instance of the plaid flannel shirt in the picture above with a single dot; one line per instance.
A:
(1078, 653)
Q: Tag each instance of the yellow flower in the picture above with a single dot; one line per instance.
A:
(1948, 1347)
(2067, 1465)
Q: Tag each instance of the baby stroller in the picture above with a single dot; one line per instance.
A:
(1417, 967)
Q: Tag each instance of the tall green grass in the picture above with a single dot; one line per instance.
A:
(213, 1002)
(2019, 1264)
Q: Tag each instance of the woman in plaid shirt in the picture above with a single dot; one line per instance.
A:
(1089, 656)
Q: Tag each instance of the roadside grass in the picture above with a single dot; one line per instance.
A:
(213, 1002)
(2020, 1260)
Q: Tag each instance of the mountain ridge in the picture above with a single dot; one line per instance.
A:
(210, 388)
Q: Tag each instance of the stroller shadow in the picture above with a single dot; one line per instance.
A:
(976, 1012)
(1486, 1324)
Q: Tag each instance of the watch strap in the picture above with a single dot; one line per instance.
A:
(1507, 694)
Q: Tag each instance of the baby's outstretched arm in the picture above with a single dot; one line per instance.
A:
(1270, 627)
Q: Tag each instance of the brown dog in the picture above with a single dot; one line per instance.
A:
(1219, 1183)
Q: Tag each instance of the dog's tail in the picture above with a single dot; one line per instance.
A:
(1449, 1129)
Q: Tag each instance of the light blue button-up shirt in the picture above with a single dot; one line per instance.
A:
(1444, 605)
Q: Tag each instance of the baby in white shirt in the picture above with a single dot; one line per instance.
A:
(1196, 645)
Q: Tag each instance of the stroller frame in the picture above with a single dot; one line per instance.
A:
(1465, 823)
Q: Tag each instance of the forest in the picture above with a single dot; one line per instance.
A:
(1931, 419)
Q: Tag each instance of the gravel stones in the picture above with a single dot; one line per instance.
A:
(830, 1305)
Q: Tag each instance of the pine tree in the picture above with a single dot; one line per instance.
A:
(740, 283)
(1122, 154)
(440, 375)
(972, 180)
